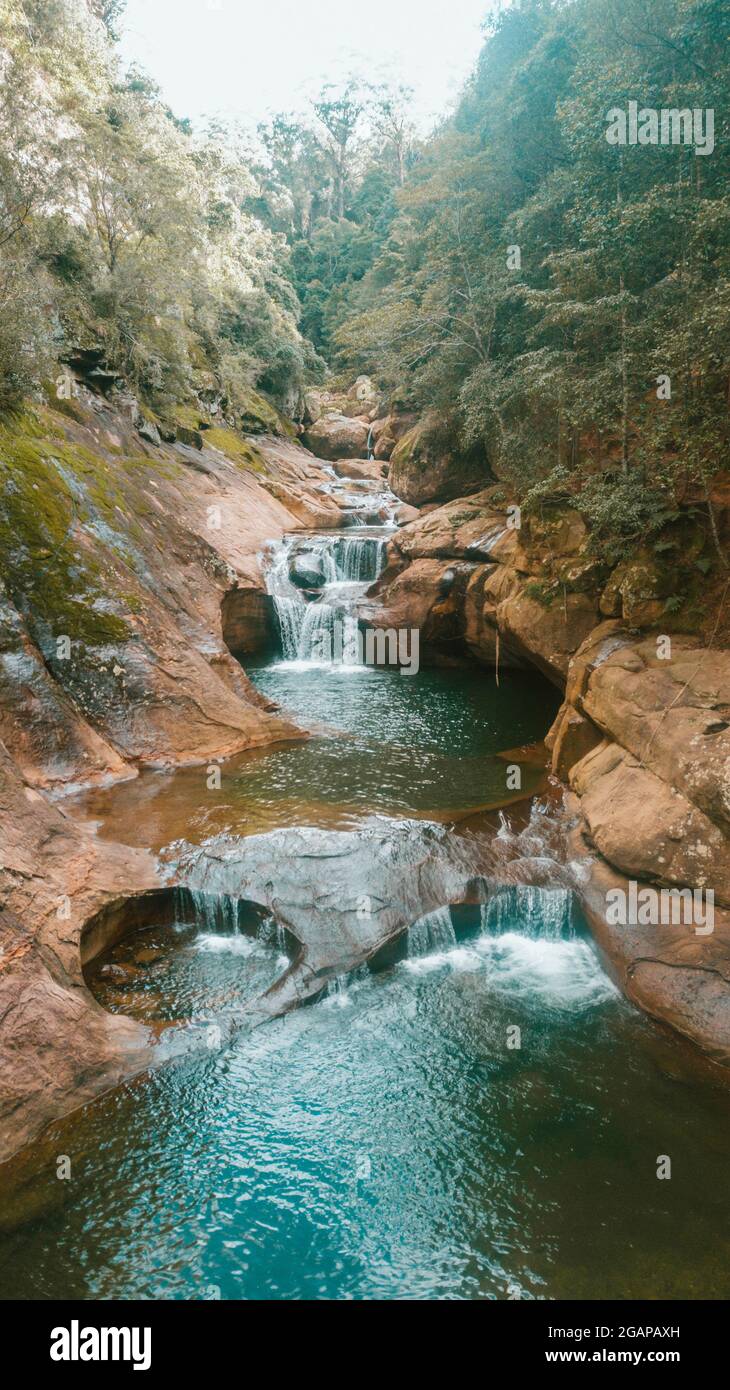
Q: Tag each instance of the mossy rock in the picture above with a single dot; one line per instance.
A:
(256, 415)
(239, 450)
(48, 489)
(428, 465)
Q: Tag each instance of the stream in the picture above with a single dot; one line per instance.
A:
(480, 1117)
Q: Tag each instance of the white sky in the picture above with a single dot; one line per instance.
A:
(245, 59)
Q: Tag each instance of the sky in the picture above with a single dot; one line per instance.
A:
(245, 59)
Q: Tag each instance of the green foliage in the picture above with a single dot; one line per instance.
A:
(330, 186)
(552, 358)
(120, 228)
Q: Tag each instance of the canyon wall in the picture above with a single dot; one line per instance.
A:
(129, 565)
(642, 739)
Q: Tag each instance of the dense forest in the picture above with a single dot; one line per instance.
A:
(559, 300)
(555, 301)
(119, 227)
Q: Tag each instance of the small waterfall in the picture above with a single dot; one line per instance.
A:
(359, 560)
(545, 914)
(271, 933)
(432, 934)
(316, 632)
(371, 455)
(216, 913)
(324, 629)
(339, 987)
(290, 616)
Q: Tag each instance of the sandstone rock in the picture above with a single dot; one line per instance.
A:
(426, 466)
(675, 975)
(368, 469)
(57, 1048)
(636, 592)
(428, 595)
(646, 828)
(337, 437)
(570, 739)
(384, 446)
(672, 714)
(468, 528)
(248, 621)
(548, 635)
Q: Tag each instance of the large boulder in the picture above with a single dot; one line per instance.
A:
(645, 827)
(427, 465)
(337, 437)
(670, 710)
(547, 635)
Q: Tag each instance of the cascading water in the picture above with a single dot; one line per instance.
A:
(323, 629)
(546, 914)
(431, 934)
(529, 946)
(213, 912)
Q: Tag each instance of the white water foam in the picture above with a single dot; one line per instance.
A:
(528, 946)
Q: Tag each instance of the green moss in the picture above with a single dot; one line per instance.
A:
(189, 416)
(259, 416)
(236, 449)
(542, 593)
(60, 591)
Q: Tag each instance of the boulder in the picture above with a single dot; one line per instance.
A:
(306, 570)
(670, 712)
(149, 432)
(337, 437)
(193, 438)
(360, 469)
(645, 827)
(364, 393)
(675, 975)
(428, 466)
(548, 635)
(427, 595)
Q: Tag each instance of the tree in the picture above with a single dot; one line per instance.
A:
(340, 114)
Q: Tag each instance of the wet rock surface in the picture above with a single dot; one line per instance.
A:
(348, 896)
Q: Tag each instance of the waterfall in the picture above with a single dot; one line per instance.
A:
(339, 987)
(271, 933)
(214, 912)
(371, 455)
(360, 559)
(324, 629)
(432, 934)
(545, 914)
